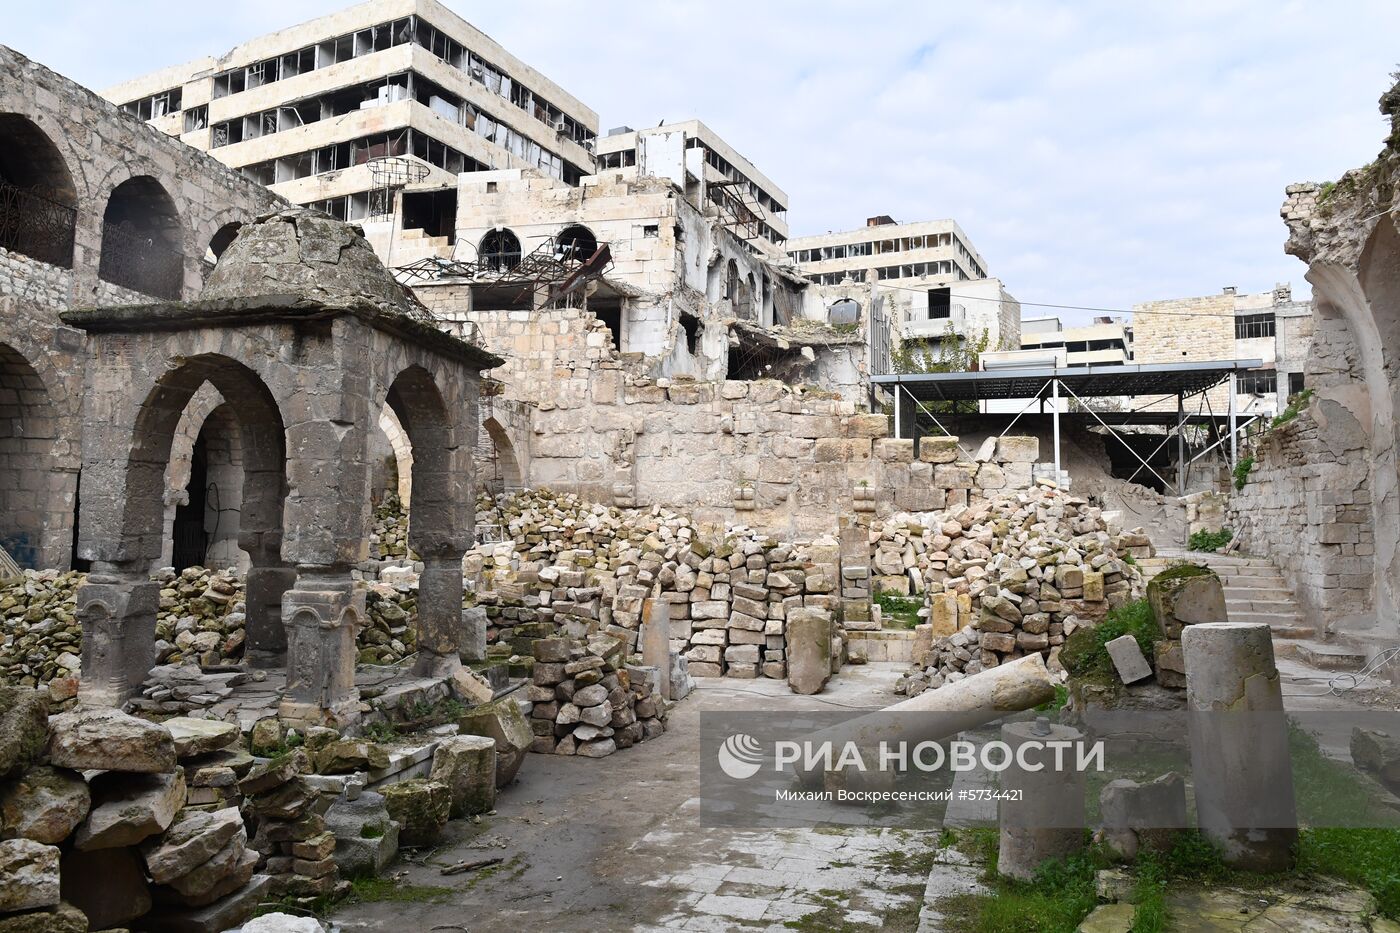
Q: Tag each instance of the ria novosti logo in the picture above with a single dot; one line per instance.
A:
(740, 756)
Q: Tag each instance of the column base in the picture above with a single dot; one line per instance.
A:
(118, 617)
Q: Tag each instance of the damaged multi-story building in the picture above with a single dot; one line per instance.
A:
(936, 279)
(317, 111)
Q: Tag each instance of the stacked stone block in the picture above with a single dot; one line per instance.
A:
(586, 700)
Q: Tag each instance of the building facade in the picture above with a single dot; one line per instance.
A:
(1268, 326)
(325, 113)
(1107, 341)
(934, 276)
(710, 170)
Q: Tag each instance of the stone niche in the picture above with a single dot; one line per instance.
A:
(307, 337)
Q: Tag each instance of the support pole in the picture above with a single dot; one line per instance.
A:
(1180, 445)
(1055, 414)
(898, 391)
(1234, 441)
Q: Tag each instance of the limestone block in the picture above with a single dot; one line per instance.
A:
(44, 804)
(503, 721)
(349, 755)
(466, 764)
(894, 449)
(100, 738)
(1128, 659)
(1018, 449)
(193, 839)
(1138, 816)
(130, 808)
(422, 809)
(28, 875)
(809, 633)
(200, 736)
(958, 475)
(23, 728)
(938, 449)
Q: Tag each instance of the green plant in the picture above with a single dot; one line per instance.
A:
(1084, 653)
(1296, 403)
(381, 732)
(1210, 541)
(952, 353)
(1057, 703)
(903, 610)
(1242, 469)
(371, 831)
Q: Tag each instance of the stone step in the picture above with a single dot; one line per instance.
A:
(1283, 605)
(1323, 656)
(1256, 584)
(1268, 618)
(1287, 632)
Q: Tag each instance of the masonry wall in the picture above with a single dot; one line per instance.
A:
(1182, 330)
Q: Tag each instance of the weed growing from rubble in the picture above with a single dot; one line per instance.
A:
(1242, 471)
(1085, 653)
(1209, 541)
(899, 611)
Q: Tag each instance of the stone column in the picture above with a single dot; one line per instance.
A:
(656, 641)
(266, 645)
(1048, 821)
(1240, 766)
(321, 614)
(117, 611)
(473, 634)
(439, 616)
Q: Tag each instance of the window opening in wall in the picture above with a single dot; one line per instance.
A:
(500, 250)
(692, 327)
(844, 311)
(1257, 382)
(1249, 326)
(576, 243)
(196, 118)
(1295, 383)
(433, 212)
(611, 315)
(940, 304)
(653, 230)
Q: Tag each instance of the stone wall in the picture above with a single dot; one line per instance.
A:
(79, 149)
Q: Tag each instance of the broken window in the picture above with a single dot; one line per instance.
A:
(1295, 383)
(690, 324)
(1249, 326)
(940, 304)
(500, 250)
(844, 311)
(651, 230)
(196, 118)
(577, 243)
(1257, 382)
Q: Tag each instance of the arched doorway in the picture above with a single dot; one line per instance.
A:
(141, 240)
(500, 250)
(204, 529)
(498, 467)
(38, 203)
(576, 243)
(27, 433)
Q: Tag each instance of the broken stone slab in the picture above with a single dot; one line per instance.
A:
(200, 736)
(1109, 918)
(1143, 816)
(366, 839)
(203, 879)
(130, 808)
(275, 772)
(107, 884)
(277, 922)
(470, 687)
(809, 634)
(65, 918)
(29, 877)
(1128, 659)
(44, 804)
(503, 721)
(226, 913)
(350, 755)
(104, 739)
(466, 764)
(422, 809)
(194, 838)
(1179, 600)
(24, 729)
(1377, 752)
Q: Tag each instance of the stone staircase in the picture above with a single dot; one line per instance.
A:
(1255, 591)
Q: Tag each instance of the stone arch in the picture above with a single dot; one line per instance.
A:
(30, 519)
(500, 249)
(204, 486)
(135, 538)
(576, 242)
(500, 469)
(38, 198)
(142, 241)
(439, 510)
(749, 299)
(402, 453)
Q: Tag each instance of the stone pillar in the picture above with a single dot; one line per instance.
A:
(1048, 821)
(266, 645)
(117, 611)
(439, 616)
(321, 614)
(656, 641)
(473, 634)
(855, 575)
(1240, 766)
(809, 633)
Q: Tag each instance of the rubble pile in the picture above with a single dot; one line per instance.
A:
(291, 836)
(1009, 576)
(101, 826)
(201, 616)
(564, 559)
(40, 636)
(587, 701)
(388, 530)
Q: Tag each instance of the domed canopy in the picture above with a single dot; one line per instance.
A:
(304, 253)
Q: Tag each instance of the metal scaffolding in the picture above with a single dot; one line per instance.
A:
(1037, 384)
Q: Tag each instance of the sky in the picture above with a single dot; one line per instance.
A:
(1096, 153)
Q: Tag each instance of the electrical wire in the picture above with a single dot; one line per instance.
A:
(1346, 682)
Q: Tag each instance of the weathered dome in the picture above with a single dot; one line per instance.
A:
(304, 253)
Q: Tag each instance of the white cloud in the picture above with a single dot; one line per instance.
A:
(1096, 152)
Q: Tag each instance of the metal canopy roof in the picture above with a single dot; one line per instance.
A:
(1084, 381)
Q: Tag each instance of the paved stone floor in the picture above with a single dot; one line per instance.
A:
(616, 844)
